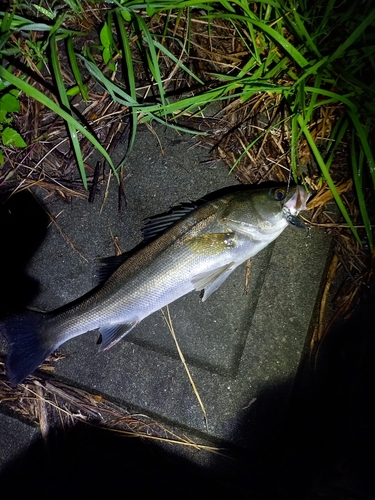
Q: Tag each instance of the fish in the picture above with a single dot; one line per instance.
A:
(193, 248)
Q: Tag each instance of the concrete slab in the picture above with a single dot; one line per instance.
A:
(243, 350)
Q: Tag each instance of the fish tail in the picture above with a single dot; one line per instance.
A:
(27, 346)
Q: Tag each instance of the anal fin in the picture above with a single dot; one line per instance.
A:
(111, 334)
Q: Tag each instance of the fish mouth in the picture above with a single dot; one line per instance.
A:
(294, 205)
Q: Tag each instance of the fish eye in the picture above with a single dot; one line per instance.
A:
(279, 194)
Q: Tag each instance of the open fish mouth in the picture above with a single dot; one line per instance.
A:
(294, 205)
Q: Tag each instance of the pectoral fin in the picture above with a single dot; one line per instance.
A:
(210, 281)
(113, 333)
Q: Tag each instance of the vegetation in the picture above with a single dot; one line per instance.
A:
(306, 68)
(315, 60)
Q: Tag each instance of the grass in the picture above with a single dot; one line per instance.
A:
(45, 402)
(313, 60)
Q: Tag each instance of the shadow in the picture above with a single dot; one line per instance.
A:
(327, 443)
(23, 225)
(318, 446)
(85, 462)
(322, 446)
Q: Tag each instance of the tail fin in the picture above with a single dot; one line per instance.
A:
(27, 347)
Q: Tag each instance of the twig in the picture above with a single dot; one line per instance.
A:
(318, 332)
(168, 320)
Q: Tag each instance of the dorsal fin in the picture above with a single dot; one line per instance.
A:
(108, 265)
(153, 226)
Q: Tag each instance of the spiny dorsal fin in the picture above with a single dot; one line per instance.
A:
(153, 226)
(109, 265)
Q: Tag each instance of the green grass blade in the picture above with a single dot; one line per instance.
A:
(65, 102)
(362, 134)
(45, 12)
(117, 94)
(327, 14)
(304, 34)
(336, 97)
(128, 63)
(75, 69)
(294, 146)
(273, 34)
(20, 23)
(227, 6)
(255, 59)
(281, 66)
(337, 136)
(6, 22)
(216, 94)
(163, 49)
(313, 70)
(256, 52)
(340, 51)
(46, 101)
(328, 178)
(143, 28)
(310, 109)
(358, 175)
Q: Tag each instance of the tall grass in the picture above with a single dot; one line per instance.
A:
(314, 55)
(12, 24)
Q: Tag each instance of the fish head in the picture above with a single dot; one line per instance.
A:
(265, 212)
(280, 205)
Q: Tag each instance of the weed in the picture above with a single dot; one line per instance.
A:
(9, 103)
(316, 58)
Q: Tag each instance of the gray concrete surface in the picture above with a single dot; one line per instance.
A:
(15, 437)
(243, 350)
